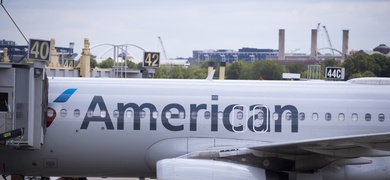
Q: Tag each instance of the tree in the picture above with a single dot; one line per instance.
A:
(296, 68)
(108, 63)
(384, 64)
(330, 63)
(131, 65)
(359, 63)
(267, 69)
(233, 70)
(198, 73)
(93, 63)
(177, 72)
(163, 72)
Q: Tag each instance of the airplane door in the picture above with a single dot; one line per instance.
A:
(260, 119)
(238, 118)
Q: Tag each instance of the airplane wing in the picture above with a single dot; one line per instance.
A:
(305, 156)
(365, 145)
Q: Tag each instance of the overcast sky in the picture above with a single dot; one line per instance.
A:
(187, 25)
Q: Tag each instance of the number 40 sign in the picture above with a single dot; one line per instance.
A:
(39, 50)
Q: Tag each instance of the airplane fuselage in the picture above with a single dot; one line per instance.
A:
(121, 127)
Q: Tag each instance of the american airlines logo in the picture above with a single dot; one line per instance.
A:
(234, 117)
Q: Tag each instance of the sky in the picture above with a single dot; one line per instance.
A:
(187, 25)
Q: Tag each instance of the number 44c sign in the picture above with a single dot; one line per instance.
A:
(39, 50)
(336, 73)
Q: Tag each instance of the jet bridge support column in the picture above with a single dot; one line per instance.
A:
(23, 104)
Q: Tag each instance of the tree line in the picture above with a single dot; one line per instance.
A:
(357, 65)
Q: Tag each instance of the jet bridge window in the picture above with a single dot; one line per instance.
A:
(3, 102)
(368, 117)
(381, 117)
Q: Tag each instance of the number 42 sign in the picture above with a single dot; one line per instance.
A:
(151, 60)
(39, 50)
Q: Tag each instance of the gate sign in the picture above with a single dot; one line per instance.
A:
(151, 60)
(39, 50)
(336, 73)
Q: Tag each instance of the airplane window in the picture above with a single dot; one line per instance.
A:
(260, 116)
(181, 115)
(328, 116)
(115, 114)
(89, 114)
(76, 113)
(275, 116)
(354, 117)
(314, 116)
(207, 115)
(194, 115)
(301, 116)
(288, 116)
(129, 113)
(341, 117)
(368, 117)
(63, 112)
(220, 114)
(142, 114)
(381, 117)
(240, 115)
(103, 114)
(155, 114)
(50, 112)
(168, 115)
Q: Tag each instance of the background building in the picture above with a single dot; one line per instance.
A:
(227, 55)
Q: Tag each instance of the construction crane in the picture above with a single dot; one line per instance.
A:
(162, 46)
(329, 42)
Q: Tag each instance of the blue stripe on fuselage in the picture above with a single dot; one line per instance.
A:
(65, 95)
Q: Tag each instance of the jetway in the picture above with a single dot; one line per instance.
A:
(23, 104)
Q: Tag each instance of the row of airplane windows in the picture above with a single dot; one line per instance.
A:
(238, 115)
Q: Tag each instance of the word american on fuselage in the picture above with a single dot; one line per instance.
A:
(256, 121)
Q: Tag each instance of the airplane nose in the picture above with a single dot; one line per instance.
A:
(51, 115)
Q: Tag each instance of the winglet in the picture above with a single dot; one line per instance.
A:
(211, 75)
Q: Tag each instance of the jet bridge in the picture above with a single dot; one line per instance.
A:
(23, 104)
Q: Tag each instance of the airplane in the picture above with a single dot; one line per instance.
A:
(211, 129)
